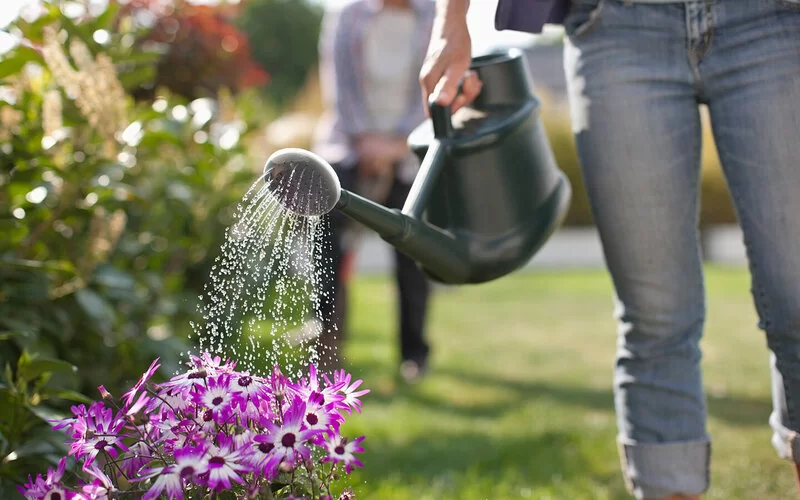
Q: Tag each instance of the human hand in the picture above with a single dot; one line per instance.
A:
(377, 154)
(448, 59)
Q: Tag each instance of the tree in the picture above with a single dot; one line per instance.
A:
(283, 36)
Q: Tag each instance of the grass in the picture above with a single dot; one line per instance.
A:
(518, 403)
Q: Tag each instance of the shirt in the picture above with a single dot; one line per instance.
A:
(343, 78)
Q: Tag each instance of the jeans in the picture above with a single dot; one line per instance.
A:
(636, 75)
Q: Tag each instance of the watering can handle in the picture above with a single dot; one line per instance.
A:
(440, 117)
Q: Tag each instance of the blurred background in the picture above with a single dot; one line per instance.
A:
(129, 130)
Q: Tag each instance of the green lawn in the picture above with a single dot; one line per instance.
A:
(518, 403)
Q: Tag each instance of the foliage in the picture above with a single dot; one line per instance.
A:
(111, 211)
(201, 49)
(210, 432)
(283, 36)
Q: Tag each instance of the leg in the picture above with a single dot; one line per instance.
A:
(753, 81)
(413, 292)
(636, 120)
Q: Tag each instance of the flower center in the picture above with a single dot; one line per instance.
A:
(187, 471)
(54, 495)
(312, 419)
(217, 401)
(245, 381)
(207, 416)
(216, 461)
(101, 445)
(288, 440)
(265, 447)
(339, 450)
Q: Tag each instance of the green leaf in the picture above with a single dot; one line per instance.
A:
(13, 64)
(64, 394)
(106, 19)
(137, 77)
(31, 368)
(48, 414)
(93, 305)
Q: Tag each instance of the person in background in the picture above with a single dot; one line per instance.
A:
(637, 72)
(371, 52)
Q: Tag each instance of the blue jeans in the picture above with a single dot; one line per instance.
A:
(637, 74)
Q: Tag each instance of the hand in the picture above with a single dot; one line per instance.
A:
(449, 58)
(377, 154)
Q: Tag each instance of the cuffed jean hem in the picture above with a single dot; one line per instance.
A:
(785, 441)
(657, 470)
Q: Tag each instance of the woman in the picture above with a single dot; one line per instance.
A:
(371, 52)
(637, 73)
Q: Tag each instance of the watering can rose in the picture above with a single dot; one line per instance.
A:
(207, 431)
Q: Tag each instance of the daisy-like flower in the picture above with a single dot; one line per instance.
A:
(131, 394)
(46, 488)
(225, 464)
(330, 393)
(215, 398)
(183, 384)
(190, 462)
(247, 389)
(340, 450)
(289, 440)
(101, 433)
(351, 400)
(100, 488)
(261, 457)
(321, 417)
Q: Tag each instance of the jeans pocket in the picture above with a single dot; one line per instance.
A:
(789, 4)
(583, 16)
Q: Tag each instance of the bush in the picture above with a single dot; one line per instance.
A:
(112, 211)
(284, 36)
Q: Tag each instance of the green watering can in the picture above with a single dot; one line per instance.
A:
(487, 196)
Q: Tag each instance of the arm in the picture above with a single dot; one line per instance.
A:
(449, 57)
(340, 72)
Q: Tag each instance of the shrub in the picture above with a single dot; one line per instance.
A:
(112, 211)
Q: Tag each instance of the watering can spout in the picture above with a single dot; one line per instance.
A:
(307, 185)
(488, 193)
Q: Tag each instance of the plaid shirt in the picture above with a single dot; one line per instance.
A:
(342, 76)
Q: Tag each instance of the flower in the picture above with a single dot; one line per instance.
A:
(128, 396)
(289, 440)
(49, 488)
(224, 464)
(212, 430)
(351, 397)
(190, 462)
(215, 399)
(340, 450)
(98, 431)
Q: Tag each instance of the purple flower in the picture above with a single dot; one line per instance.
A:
(224, 464)
(351, 396)
(248, 389)
(49, 488)
(305, 388)
(101, 432)
(131, 394)
(215, 398)
(289, 440)
(137, 457)
(340, 450)
(99, 488)
(190, 462)
(319, 416)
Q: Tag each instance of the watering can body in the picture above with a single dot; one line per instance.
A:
(488, 186)
(488, 193)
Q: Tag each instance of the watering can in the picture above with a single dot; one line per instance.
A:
(488, 193)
